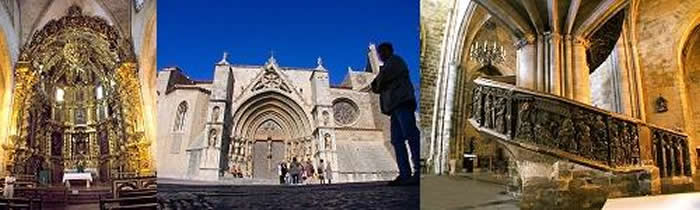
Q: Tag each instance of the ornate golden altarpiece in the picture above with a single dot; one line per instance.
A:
(77, 102)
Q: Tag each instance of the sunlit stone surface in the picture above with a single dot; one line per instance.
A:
(628, 61)
(249, 118)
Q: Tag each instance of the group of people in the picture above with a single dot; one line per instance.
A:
(297, 172)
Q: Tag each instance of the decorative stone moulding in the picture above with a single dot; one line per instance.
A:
(574, 131)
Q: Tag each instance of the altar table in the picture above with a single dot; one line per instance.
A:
(67, 177)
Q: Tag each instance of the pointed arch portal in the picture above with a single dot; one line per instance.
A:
(268, 128)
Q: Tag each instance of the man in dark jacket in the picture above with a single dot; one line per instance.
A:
(398, 101)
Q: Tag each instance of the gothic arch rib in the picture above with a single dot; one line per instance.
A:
(279, 105)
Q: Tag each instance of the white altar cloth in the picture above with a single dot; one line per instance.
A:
(67, 177)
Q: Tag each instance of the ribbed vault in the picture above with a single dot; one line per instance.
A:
(592, 20)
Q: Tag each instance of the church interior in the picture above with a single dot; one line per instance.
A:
(570, 103)
(77, 86)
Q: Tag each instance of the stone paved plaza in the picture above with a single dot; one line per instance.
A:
(464, 192)
(369, 195)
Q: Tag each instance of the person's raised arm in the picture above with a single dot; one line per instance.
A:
(393, 69)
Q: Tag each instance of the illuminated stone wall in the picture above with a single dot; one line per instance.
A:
(662, 28)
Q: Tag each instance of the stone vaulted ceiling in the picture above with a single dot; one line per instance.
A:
(578, 18)
(33, 13)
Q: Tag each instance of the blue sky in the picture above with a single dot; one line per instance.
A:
(194, 34)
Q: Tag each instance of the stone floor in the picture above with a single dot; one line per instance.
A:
(370, 195)
(670, 201)
(464, 192)
(74, 207)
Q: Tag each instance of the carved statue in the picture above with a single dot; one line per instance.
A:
(617, 147)
(500, 115)
(525, 121)
(476, 101)
(212, 137)
(542, 132)
(215, 114)
(661, 105)
(633, 139)
(600, 140)
(488, 109)
(585, 144)
(566, 136)
(327, 141)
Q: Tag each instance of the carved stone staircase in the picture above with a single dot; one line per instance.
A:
(570, 155)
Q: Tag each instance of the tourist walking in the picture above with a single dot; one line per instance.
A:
(397, 99)
(320, 170)
(329, 172)
(295, 170)
(283, 172)
(309, 169)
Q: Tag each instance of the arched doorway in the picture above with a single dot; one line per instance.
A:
(270, 127)
(76, 102)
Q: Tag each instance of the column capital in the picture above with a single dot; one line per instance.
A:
(526, 40)
(579, 40)
(549, 36)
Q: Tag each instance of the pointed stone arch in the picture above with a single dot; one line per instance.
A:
(273, 109)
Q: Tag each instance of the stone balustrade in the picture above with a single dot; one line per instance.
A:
(578, 132)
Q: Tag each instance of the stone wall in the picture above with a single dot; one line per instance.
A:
(545, 182)
(195, 120)
(660, 28)
(434, 14)
(572, 186)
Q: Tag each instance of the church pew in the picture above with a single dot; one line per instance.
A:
(132, 193)
(16, 203)
(126, 202)
(149, 206)
(137, 192)
(133, 183)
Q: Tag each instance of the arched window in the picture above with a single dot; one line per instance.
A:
(180, 117)
(215, 114)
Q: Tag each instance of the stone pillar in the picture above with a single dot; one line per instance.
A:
(443, 124)
(215, 153)
(580, 72)
(526, 65)
(324, 131)
(554, 64)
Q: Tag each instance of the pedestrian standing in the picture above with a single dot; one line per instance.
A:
(320, 169)
(295, 167)
(329, 172)
(282, 170)
(309, 167)
(397, 99)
